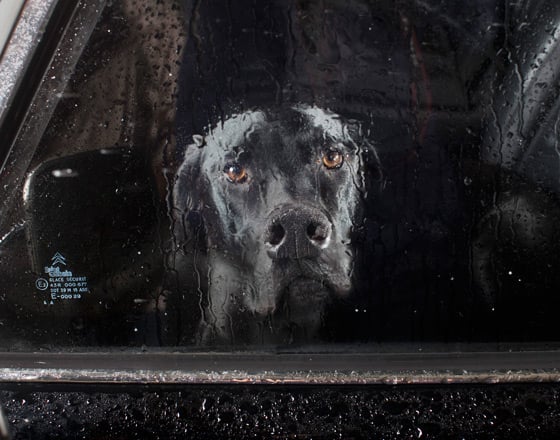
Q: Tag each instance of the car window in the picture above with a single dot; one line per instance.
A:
(344, 175)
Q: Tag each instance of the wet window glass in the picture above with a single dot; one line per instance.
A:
(288, 174)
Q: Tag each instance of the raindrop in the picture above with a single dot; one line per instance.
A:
(66, 172)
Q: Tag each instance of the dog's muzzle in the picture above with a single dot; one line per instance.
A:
(297, 232)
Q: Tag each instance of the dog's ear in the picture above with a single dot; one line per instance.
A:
(187, 249)
(189, 194)
(371, 166)
(371, 171)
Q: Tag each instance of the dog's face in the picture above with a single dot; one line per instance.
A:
(279, 195)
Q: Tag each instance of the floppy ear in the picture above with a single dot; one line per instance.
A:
(371, 167)
(370, 170)
(188, 196)
(187, 252)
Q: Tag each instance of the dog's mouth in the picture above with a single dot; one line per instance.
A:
(304, 290)
(311, 280)
(299, 287)
(303, 301)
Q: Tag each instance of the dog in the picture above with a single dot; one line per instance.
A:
(266, 205)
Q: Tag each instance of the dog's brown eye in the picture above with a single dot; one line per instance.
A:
(333, 159)
(235, 173)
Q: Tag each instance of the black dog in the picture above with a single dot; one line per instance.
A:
(266, 204)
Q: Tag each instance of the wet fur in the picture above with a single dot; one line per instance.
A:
(221, 228)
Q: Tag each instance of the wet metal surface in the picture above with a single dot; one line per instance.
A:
(21, 45)
(312, 412)
(9, 9)
(289, 368)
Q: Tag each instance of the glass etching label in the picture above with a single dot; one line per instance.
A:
(60, 282)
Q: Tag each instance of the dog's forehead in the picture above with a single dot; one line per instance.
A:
(329, 123)
(236, 129)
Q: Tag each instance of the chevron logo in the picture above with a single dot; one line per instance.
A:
(58, 259)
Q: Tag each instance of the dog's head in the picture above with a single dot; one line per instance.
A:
(279, 194)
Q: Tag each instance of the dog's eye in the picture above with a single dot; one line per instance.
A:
(333, 159)
(235, 173)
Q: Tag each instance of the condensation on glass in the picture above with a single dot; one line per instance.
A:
(288, 174)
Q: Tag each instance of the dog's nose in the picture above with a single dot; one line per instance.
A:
(297, 232)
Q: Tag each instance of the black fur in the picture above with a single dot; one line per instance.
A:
(270, 252)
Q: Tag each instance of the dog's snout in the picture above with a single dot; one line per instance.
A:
(318, 232)
(276, 234)
(297, 232)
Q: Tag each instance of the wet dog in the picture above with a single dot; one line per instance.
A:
(266, 204)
